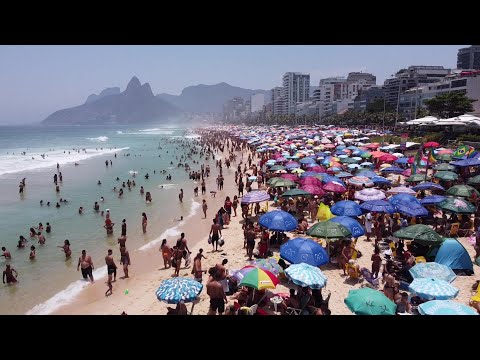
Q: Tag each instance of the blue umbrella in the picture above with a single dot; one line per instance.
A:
(278, 220)
(466, 162)
(411, 210)
(366, 163)
(255, 196)
(392, 169)
(367, 173)
(292, 166)
(354, 166)
(328, 178)
(306, 275)
(346, 208)
(303, 250)
(404, 199)
(429, 288)
(351, 224)
(307, 160)
(178, 289)
(308, 173)
(432, 270)
(402, 160)
(378, 206)
(445, 307)
(381, 180)
(428, 186)
(344, 174)
(432, 199)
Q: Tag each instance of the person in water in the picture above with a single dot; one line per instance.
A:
(8, 274)
(66, 249)
(144, 222)
(6, 253)
(85, 261)
(32, 253)
(111, 270)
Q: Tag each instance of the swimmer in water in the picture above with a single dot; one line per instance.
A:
(32, 253)
(99, 182)
(66, 249)
(41, 239)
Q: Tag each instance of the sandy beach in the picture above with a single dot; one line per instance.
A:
(136, 295)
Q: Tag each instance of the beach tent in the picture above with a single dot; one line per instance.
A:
(452, 254)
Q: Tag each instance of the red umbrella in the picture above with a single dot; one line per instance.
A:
(318, 169)
(388, 158)
(311, 181)
(292, 177)
(372, 146)
(334, 187)
(431, 144)
(315, 190)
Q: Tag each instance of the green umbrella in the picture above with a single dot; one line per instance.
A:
(462, 190)
(457, 205)
(329, 230)
(417, 177)
(474, 180)
(446, 175)
(444, 157)
(366, 155)
(421, 233)
(283, 183)
(348, 160)
(444, 167)
(296, 192)
(366, 301)
(277, 167)
(274, 179)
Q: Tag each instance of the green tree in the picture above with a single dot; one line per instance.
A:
(377, 106)
(449, 104)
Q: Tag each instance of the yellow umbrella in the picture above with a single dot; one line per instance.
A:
(298, 171)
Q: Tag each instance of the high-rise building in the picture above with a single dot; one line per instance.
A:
(296, 89)
(360, 77)
(469, 58)
(277, 101)
(257, 102)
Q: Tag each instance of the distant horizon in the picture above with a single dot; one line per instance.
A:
(39, 80)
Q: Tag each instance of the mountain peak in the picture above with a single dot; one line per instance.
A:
(133, 84)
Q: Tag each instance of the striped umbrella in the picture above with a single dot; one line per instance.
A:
(433, 270)
(259, 279)
(429, 288)
(361, 181)
(256, 196)
(401, 190)
(178, 289)
(445, 307)
(369, 194)
(306, 275)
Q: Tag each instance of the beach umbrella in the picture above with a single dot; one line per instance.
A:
(334, 186)
(346, 208)
(307, 174)
(277, 167)
(401, 190)
(404, 199)
(329, 230)
(446, 175)
(474, 180)
(354, 166)
(317, 169)
(360, 181)
(282, 183)
(429, 288)
(298, 171)
(314, 190)
(307, 160)
(348, 160)
(259, 279)
(392, 169)
(445, 307)
(366, 173)
(380, 206)
(296, 192)
(366, 163)
(304, 250)
(274, 179)
(462, 191)
(402, 160)
(306, 275)
(411, 210)
(178, 289)
(291, 177)
(344, 174)
(432, 270)
(310, 181)
(431, 144)
(417, 178)
(444, 157)
(379, 180)
(292, 165)
(387, 158)
(369, 194)
(432, 200)
(255, 196)
(428, 186)
(351, 224)
(457, 205)
(423, 234)
(278, 220)
(270, 264)
(467, 162)
(366, 301)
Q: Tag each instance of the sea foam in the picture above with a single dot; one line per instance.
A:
(99, 139)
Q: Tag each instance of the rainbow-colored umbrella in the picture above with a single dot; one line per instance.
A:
(259, 279)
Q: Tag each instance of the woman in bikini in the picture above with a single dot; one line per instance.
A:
(166, 254)
(263, 244)
(144, 222)
(235, 205)
(66, 249)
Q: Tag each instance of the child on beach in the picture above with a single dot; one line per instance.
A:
(166, 254)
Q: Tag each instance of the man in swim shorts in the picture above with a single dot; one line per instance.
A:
(85, 261)
(111, 270)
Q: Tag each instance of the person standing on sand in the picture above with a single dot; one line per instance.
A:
(235, 205)
(215, 233)
(240, 187)
(144, 222)
(204, 208)
(124, 227)
(121, 241)
(197, 266)
(180, 196)
(216, 293)
(166, 254)
(111, 270)
(85, 261)
(125, 261)
(8, 274)
(66, 249)
(250, 237)
(222, 273)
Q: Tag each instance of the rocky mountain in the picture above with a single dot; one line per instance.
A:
(209, 98)
(106, 92)
(136, 104)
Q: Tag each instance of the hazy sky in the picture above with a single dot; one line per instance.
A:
(38, 80)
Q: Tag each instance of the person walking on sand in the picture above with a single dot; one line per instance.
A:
(66, 249)
(204, 188)
(166, 254)
(216, 293)
(250, 237)
(235, 205)
(8, 274)
(204, 208)
(86, 263)
(180, 196)
(215, 233)
(376, 262)
(125, 261)
(197, 266)
(144, 222)
(111, 270)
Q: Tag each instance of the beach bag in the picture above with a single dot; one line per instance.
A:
(209, 239)
(221, 242)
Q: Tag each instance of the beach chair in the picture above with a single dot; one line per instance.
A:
(371, 282)
(353, 272)
(454, 230)
(300, 311)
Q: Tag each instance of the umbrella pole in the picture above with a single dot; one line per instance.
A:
(191, 310)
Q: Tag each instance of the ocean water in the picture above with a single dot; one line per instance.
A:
(50, 280)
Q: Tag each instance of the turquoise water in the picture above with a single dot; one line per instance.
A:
(50, 277)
